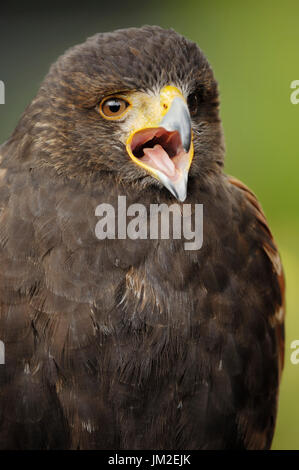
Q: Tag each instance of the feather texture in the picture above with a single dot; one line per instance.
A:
(131, 344)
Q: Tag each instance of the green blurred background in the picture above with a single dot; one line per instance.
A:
(253, 48)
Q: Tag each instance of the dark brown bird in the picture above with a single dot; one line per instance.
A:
(133, 343)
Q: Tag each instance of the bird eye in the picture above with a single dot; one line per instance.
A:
(113, 107)
(193, 103)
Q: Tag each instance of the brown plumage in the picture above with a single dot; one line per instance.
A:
(131, 344)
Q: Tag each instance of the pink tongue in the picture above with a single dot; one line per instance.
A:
(157, 158)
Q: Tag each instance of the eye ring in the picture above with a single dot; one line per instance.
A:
(113, 107)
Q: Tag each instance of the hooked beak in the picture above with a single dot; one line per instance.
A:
(165, 148)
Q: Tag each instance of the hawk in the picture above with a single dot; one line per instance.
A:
(133, 343)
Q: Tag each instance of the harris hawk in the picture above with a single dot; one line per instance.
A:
(133, 343)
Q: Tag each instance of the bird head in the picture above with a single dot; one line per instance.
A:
(140, 104)
(156, 133)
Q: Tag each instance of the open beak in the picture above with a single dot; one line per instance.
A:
(164, 148)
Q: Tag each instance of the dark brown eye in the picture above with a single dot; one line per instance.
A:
(113, 107)
(193, 104)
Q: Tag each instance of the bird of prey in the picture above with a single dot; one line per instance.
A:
(133, 343)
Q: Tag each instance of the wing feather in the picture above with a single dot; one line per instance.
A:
(270, 248)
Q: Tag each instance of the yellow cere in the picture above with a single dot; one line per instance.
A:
(148, 110)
